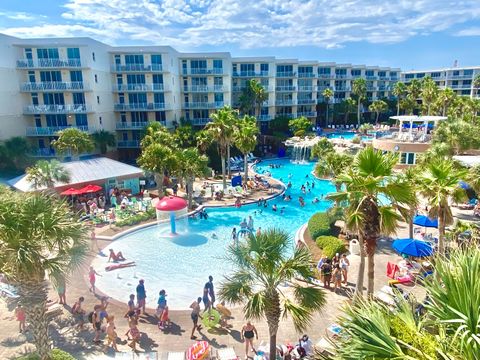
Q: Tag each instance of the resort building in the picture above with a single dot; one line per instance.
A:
(460, 79)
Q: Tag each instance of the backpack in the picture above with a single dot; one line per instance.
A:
(90, 317)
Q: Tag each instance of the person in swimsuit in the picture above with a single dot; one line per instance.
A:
(133, 333)
(195, 315)
(206, 300)
(21, 317)
(78, 312)
(337, 278)
(115, 257)
(344, 264)
(111, 334)
(248, 333)
(92, 278)
(211, 290)
(97, 323)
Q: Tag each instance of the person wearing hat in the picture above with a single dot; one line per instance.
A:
(141, 296)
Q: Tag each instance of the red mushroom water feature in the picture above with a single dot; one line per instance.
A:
(172, 204)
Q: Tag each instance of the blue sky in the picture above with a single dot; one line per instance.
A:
(411, 34)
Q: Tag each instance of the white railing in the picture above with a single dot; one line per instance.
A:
(200, 121)
(285, 102)
(121, 125)
(138, 87)
(139, 107)
(132, 144)
(56, 109)
(137, 67)
(203, 71)
(203, 105)
(49, 63)
(286, 74)
(52, 130)
(250, 74)
(285, 88)
(54, 86)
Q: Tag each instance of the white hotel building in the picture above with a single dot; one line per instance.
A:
(53, 83)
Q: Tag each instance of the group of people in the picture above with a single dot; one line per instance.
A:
(335, 268)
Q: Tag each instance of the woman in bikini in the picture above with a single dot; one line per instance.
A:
(133, 332)
(248, 333)
(111, 334)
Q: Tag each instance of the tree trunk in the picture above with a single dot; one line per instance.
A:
(228, 162)
(410, 228)
(361, 271)
(222, 157)
(398, 107)
(371, 272)
(326, 115)
(441, 230)
(159, 180)
(376, 118)
(245, 167)
(33, 298)
(358, 113)
(272, 314)
(189, 182)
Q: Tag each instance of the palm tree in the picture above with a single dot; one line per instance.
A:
(321, 148)
(399, 91)
(378, 106)
(439, 183)
(327, 95)
(359, 89)
(252, 97)
(332, 165)
(245, 139)
(414, 90)
(446, 98)
(347, 106)
(44, 174)
(16, 149)
(221, 130)
(369, 180)
(103, 139)
(476, 85)
(429, 93)
(191, 164)
(203, 139)
(73, 140)
(261, 270)
(38, 238)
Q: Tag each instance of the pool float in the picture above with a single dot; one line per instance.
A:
(212, 319)
(223, 310)
(198, 351)
(120, 266)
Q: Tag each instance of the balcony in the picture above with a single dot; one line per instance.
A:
(306, 88)
(460, 77)
(138, 87)
(288, 88)
(200, 121)
(203, 71)
(341, 76)
(52, 130)
(306, 101)
(288, 116)
(306, 75)
(203, 105)
(308, 114)
(383, 88)
(54, 86)
(383, 78)
(285, 102)
(459, 86)
(128, 144)
(371, 88)
(204, 88)
(137, 68)
(342, 88)
(250, 74)
(123, 125)
(286, 74)
(57, 109)
(50, 153)
(326, 76)
(48, 63)
(371, 77)
(265, 118)
(139, 107)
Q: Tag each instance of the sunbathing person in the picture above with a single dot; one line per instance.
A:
(115, 257)
(119, 266)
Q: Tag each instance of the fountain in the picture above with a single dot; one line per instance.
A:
(301, 149)
(174, 205)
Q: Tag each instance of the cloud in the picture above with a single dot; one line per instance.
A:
(19, 15)
(186, 24)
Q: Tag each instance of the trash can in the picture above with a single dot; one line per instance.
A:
(354, 247)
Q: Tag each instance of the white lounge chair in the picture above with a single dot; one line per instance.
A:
(226, 354)
(176, 355)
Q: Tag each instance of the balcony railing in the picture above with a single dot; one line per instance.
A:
(289, 116)
(123, 125)
(306, 75)
(460, 77)
(286, 74)
(204, 88)
(306, 101)
(52, 130)
(139, 107)
(371, 77)
(341, 76)
(326, 76)
(285, 88)
(50, 153)
(342, 88)
(137, 68)
(54, 86)
(282, 102)
(56, 109)
(308, 114)
(203, 71)
(383, 78)
(460, 86)
(371, 88)
(265, 117)
(393, 78)
(138, 87)
(200, 121)
(203, 105)
(128, 144)
(48, 63)
(307, 88)
(250, 74)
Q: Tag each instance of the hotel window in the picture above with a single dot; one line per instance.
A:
(247, 68)
(125, 136)
(393, 74)
(135, 79)
(117, 60)
(93, 56)
(73, 53)
(119, 79)
(323, 70)
(123, 117)
(468, 72)
(382, 74)
(28, 53)
(53, 99)
(159, 98)
(407, 158)
(465, 92)
(467, 82)
(369, 73)
(436, 74)
(198, 64)
(160, 116)
(409, 76)
(356, 72)
(98, 99)
(156, 59)
(456, 73)
(96, 78)
(81, 120)
(140, 98)
(218, 81)
(218, 97)
(157, 79)
(56, 120)
(264, 68)
(138, 117)
(50, 76)
(234, 68)
(31, 76)
(34, 98)
(217, 64)
(78, 98)
(134, 59)
(47, 53)
(76, 76)
(38, 121)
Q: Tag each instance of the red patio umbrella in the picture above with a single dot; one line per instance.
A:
(70, 191)
(90, 189)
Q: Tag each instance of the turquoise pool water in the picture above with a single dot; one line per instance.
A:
(349, 135)
(181, 264)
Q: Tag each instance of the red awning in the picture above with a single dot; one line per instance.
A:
(90, 189)
(171, 203)
(71, 191)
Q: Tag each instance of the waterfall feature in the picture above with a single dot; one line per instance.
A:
(301, 153)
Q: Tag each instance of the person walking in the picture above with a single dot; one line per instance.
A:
(61, 291)
(141, 296)
(97, 323)
(195, 315)
(248, 333)
(344, 264)
(161, 304)
(337, 278)
(211, 291)
(21, 318)
(111, 334)
(79, 313)
(92, 278)
(133, 333)
(327, 273)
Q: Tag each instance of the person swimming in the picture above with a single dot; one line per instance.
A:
(274, 207)
(315, 200)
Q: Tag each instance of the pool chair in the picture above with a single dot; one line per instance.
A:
(404, 279)
(176, 355)
(226, 354)
(392, 269)
(8, 292)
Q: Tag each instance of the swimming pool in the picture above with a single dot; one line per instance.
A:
(181, 265)
(349, 135)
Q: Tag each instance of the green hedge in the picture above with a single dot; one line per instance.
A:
(319, 224)
(56, 354)
(330, 245)
(137, 218)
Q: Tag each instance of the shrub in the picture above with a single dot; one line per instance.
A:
(300, 133)
(356, 140)
(319, 224)
(330, 245)
(56, 354)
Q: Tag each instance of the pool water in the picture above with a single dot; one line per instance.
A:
(181, 264)
(349, 135)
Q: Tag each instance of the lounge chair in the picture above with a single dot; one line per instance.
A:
(226, 354)
(176, 355)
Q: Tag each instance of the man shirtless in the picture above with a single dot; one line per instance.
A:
(115, 257)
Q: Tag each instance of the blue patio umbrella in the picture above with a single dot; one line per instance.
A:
(425, 221)
(464, 185)
(413, 247)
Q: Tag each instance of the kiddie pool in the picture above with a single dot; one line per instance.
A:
(181, 264)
